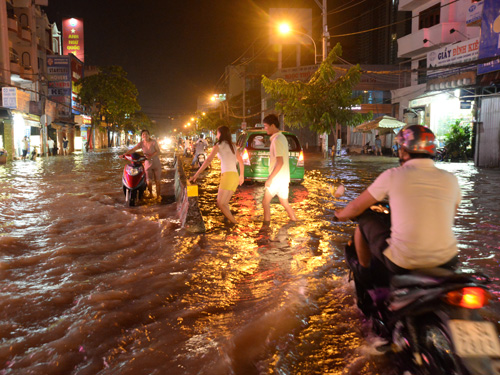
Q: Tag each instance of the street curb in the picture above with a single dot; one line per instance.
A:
(186, 196)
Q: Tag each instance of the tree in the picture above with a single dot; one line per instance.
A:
(457, 141)
(109, 96)
(138, 121)
(212, 120)
(322, 102)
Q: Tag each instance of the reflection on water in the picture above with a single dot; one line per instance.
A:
(91, 287)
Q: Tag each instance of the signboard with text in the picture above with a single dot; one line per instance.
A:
(9, 97)
(59, 82)
(489, 47)
(452, 54)
(72, 29)
(474, 14)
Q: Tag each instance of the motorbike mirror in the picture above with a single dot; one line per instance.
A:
(337, 191)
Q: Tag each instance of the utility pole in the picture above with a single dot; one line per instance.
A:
(326, 36)
(244, 123)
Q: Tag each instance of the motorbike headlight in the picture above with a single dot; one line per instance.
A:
(134, 171)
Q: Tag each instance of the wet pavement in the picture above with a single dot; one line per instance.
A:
(91, 287)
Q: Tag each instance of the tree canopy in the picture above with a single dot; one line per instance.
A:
(322, 102)
(109, 95)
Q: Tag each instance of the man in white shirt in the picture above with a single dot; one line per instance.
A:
(279, 169)
(423, 201)
(50, 144)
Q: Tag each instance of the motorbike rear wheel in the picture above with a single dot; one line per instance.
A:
(437, 351)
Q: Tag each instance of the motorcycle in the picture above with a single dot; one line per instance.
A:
(134, 179)
(441, 154)
(200, 159)
(430, 318)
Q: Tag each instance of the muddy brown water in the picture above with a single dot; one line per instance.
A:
(88, 286)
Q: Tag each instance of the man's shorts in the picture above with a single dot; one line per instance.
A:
(278, 188)
(153, 173)
(229, 181)
(376, 229)
(25, 152)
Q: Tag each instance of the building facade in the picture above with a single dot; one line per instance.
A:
(440, 85)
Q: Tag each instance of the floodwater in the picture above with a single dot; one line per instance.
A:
(88, 286)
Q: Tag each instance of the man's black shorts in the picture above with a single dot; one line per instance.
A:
(376, 229)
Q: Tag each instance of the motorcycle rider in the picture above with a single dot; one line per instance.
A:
(423, 201)
(199, 148)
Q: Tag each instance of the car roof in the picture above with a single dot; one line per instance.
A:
(262, 130)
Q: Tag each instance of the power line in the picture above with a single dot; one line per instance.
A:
(382, 27)
(347, 7)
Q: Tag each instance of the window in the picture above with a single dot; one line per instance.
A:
(429, 17)
(422, 71)
(26, 60)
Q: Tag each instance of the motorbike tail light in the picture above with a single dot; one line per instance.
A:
(300, 162)
(469, 298)
(245, 157)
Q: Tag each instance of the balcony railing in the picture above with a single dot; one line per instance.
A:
(435, 37)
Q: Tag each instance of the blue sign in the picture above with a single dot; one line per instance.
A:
(489, 46)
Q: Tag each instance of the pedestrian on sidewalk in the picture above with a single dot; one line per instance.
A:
(152, 165)
(50, 144)
(279, 169)
(25, 147)
(65, 145)
(229, 180)
(378, 145)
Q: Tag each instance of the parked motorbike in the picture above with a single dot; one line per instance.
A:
(430, 318)
(134, 179)
(441, 154)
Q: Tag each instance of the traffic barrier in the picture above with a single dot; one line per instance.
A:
(186, 196)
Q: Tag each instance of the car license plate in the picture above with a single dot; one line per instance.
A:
(475, 339)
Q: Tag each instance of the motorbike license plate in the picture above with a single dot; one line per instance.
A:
(475, 339)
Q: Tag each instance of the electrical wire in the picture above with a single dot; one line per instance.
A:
(347, 7)
(384, 26)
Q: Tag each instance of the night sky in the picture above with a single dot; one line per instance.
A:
(173, 51)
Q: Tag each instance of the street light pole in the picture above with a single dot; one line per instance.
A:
(285, 29)
(326, 36)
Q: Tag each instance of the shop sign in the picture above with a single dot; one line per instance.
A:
(465, 105)
(72, 29)
(300, 73)
(489, 46)
(452, 54)
(83, 120)
(474, 14)
(9, 97)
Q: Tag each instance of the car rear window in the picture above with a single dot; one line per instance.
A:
(261, 142)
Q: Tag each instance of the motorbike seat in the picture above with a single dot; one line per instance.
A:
(426, 278)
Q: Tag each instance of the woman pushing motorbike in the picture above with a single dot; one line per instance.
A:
(152, 165)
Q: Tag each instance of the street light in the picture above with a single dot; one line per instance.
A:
(285, 29)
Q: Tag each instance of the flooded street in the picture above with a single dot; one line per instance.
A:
(91, 287)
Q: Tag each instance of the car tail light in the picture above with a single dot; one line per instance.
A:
(300, 162)
(470, 297)
(245, 157)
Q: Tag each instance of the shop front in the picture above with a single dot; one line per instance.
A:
(441, 109)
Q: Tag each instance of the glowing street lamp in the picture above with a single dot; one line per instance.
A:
(285, 29)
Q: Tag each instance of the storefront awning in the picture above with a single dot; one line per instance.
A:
(384, 125)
